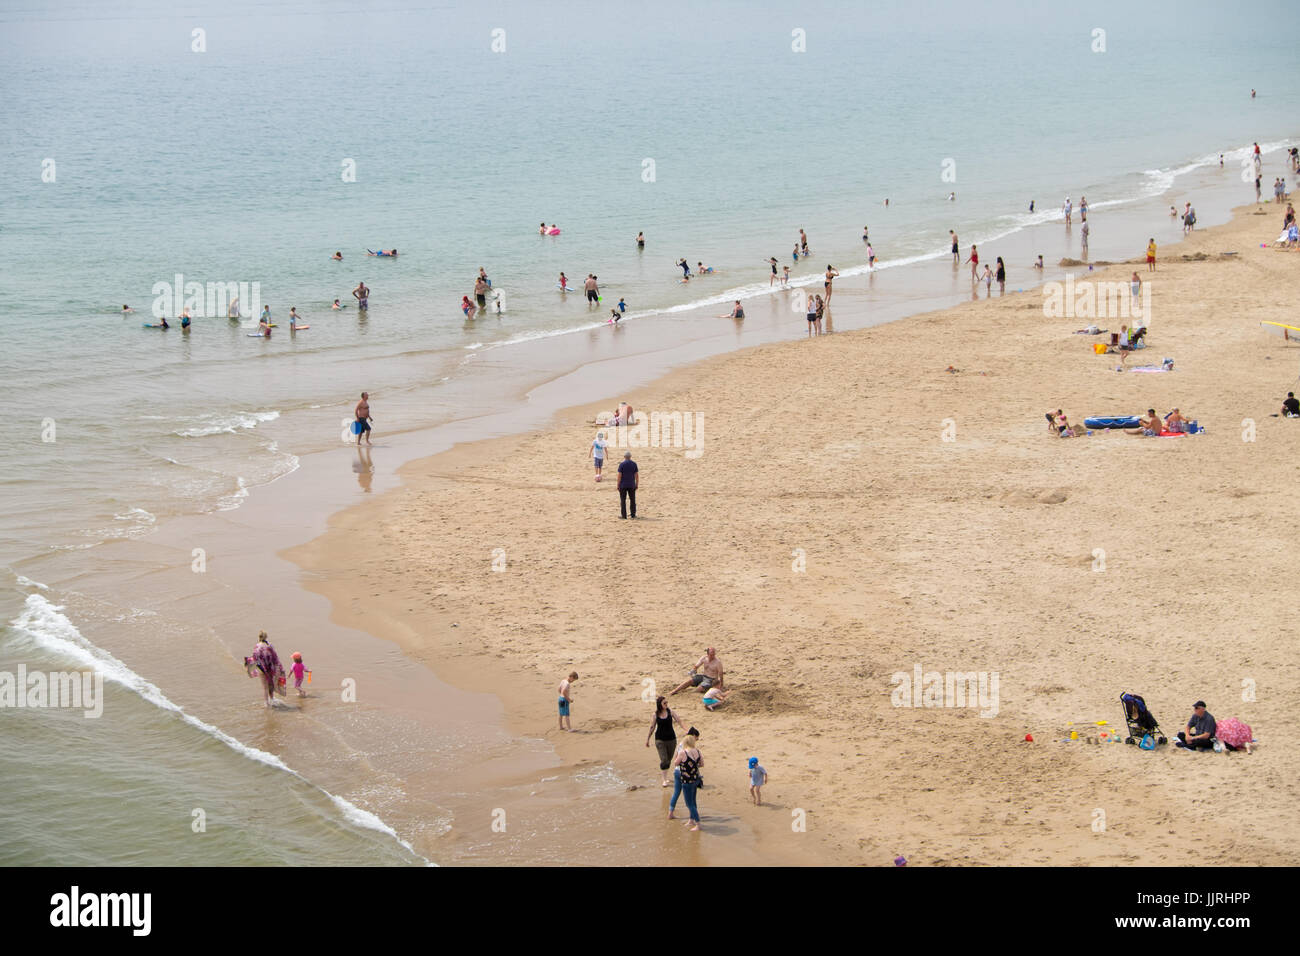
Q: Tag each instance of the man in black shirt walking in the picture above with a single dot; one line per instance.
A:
(627, 482)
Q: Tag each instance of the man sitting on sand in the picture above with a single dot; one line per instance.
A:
(1199, 732)
(706, 673)
(1149, 426)
(1291, 406)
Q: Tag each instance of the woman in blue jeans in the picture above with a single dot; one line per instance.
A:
(686, 778)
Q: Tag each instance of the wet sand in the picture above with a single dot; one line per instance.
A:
(975, 554)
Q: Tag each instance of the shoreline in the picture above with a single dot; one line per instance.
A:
(463, 668)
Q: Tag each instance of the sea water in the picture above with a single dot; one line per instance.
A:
(232, 143)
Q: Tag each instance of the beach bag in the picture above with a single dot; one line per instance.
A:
(690, 770)
(1148, 742)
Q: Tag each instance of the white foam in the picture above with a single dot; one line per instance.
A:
(233, 500)
(25, 582)
(48, 628)
(227, 423)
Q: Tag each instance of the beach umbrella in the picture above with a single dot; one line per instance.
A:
(1232, 731)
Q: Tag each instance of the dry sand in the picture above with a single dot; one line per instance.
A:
(976, 554)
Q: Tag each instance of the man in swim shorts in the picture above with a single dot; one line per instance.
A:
(1150, 425)
(593, 290)
(480, 291)
(706, 673)
(362, 413)
(362, 295)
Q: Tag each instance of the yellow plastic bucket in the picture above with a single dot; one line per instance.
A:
(1099, 348)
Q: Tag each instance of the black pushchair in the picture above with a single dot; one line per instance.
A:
(1140, 721)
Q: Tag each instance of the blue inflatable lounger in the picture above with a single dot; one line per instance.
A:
(1128, 421)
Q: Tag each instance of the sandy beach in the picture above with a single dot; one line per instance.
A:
(857, 511)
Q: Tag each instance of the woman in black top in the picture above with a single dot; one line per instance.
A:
(1002, 275)
(665, 738)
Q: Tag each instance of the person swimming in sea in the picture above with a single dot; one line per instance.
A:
(337, 305)
(702, 269)
(383, 253)
(640, 240)
(126, 309)
(185, 320)
(338, 256)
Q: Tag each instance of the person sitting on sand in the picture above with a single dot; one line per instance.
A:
(1059, 425)
(1149, 426)
(621, 417)
(706, 673)
(715, 696)
(1175, 421)
(1291, 406)
(1199, 732)
(738, 310)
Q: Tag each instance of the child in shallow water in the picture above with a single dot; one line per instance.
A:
(298, 670)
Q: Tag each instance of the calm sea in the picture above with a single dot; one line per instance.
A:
(238, 143)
